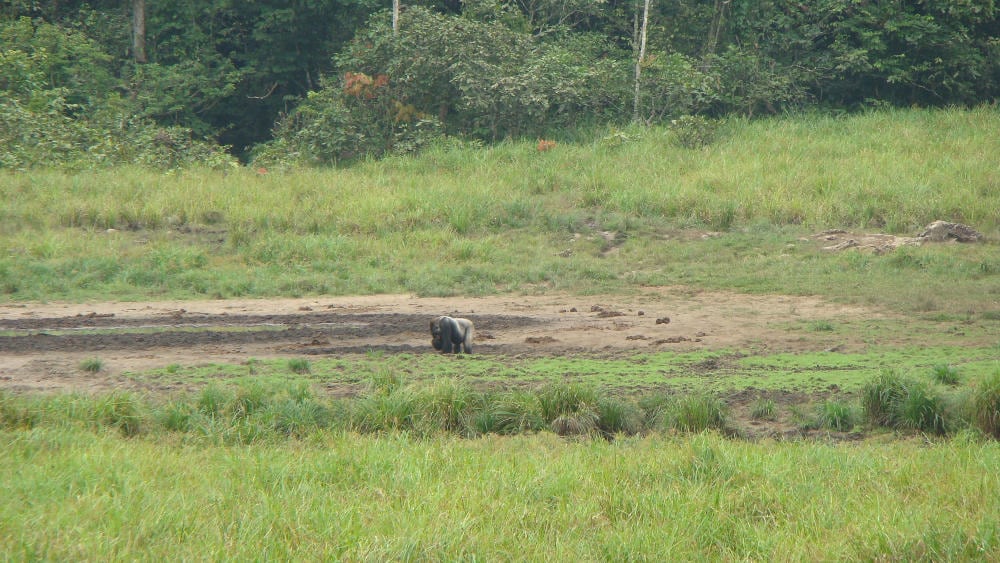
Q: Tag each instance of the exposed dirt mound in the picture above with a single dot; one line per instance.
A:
(837, 240)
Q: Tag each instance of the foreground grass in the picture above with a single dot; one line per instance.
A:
(72, 494)
(607, 214)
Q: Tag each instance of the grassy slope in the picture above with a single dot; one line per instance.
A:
(478, 221)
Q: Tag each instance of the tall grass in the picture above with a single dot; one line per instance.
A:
(253, 411)
(71, 494)
(482, 220)
(986, 405)
(869, 170)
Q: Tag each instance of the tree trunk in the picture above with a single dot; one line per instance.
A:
(638, 60)
(395, 17)
(139, 30)
(718, 20)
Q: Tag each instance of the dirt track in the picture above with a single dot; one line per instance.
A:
(42, 345)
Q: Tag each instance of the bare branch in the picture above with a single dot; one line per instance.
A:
(267, 95)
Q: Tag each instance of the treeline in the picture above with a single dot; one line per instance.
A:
(325, 81)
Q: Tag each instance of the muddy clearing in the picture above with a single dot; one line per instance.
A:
(43, 345)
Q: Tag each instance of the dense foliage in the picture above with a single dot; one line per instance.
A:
(331, 80)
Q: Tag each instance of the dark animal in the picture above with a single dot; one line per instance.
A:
(451, 335)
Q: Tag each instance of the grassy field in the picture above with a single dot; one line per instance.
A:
(443, 460)
(466, 220)
(77, 495)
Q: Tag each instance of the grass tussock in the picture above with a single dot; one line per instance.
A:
(252, 411)
(985, 403)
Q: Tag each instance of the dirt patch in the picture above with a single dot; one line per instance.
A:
(42, 345)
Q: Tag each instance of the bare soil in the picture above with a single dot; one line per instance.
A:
(43, 344)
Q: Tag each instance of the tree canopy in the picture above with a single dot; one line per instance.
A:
(330, 80)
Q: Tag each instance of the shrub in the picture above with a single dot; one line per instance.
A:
(694, 131)
(985, 405)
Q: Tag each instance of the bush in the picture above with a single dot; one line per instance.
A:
(694, 131)
(673, 85)
(349, 118)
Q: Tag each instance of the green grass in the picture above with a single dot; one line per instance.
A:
(346, 496)
(481, 221)
(764, 409)
(262, 409)
(92, 365)
(716, 371)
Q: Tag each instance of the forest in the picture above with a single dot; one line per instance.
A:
(218, 83)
